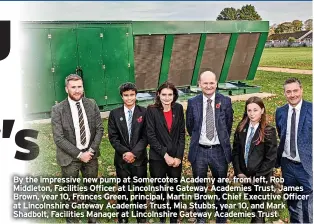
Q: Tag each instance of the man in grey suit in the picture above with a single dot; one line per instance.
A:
(77, 132)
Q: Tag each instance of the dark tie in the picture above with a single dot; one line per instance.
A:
(209, 120)
(292, 135)
(81, 122)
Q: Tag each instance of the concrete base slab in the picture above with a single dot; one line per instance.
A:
(243, 97)
(105, 114)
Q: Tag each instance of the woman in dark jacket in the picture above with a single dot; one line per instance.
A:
(166, 137)
(254, 151)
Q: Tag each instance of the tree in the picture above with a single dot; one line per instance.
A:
(272, 29)
(308, 24)
(297, 25)
(248, 12)
(290, 41)
(285, 27)
(228, 14)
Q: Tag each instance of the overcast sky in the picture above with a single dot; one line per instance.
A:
(274, 12)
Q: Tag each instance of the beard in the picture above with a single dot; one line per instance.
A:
(75, 97)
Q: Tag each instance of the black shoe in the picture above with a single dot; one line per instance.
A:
(141, 220)
(92, 220)
(173, 220)
(120, 220)
(162, 220)
(72, 220)
(200, 220)
(259, 220)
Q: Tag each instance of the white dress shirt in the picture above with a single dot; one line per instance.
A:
(76, 123)
(203, 139)
(286, 152)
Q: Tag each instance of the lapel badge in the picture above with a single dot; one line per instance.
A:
(140, 119)
(218, 105)
(121, 118)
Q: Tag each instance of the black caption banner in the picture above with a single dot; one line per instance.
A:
(4, 39)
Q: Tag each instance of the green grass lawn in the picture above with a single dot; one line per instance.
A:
(293, 57)
(45, 164)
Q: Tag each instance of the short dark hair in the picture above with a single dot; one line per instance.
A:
(127, 86)
(72, 77)
(292, 80)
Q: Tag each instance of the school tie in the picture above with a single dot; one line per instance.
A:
(292, 135)
(81, 124)
(130, 124)
(248, 145)
(209, 120)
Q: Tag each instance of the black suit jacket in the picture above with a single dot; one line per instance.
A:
(262, 155)
(160, 139)
(119, 137)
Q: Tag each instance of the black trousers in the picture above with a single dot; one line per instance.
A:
(88, 170)
(160, 169)
(254, 203)
(123, 172)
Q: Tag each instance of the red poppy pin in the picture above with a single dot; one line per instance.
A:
(218, 105)
(140, 119)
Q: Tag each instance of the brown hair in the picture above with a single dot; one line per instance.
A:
(165, 85)
(72, 77)
(245, 119)
(292, 80)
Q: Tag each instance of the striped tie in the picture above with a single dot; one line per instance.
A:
(248, 145)
(82, 125)
(209, 120)
(130, 124)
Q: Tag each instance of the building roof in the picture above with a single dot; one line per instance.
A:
(296, 35)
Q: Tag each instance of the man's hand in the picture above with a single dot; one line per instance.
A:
(245, 178)
(129, 157)
(86, 156)
(169, 160)
(241, 175)
(176, 162)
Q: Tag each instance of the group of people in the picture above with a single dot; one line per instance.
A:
(78, 130)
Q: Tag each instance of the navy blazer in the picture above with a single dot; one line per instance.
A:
(304, 134)
(223, 123)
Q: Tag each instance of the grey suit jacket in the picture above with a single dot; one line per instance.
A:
(64, 132)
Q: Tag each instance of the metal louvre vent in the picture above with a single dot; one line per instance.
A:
(183, 58)
(214, 54)
(242, 56)
(147, 60)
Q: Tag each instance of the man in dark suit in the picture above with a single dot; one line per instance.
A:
(209, 118)
(77, 131)
(294, 127)
(127, 137)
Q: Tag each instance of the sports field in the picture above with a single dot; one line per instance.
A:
(297, 58)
